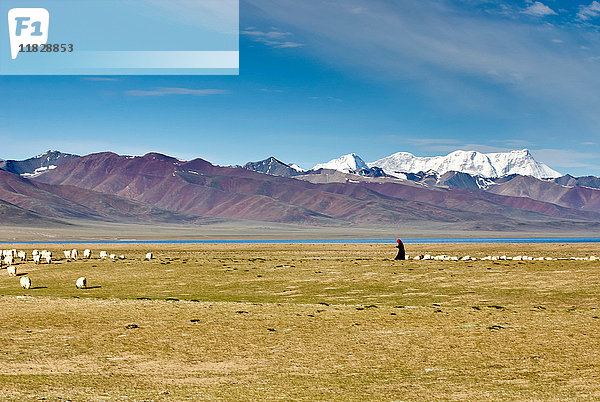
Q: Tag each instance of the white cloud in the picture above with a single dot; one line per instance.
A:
(539, 10)
(588, 12)
(177, 91)
(274, 38)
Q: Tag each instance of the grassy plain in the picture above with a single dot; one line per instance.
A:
(317, 322)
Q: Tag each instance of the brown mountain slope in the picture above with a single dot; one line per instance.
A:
(200, 188)
(68, 202)
(12, 215)
(579, 198)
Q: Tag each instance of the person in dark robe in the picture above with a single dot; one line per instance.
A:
(401, 254)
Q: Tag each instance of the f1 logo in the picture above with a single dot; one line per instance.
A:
(27, 26)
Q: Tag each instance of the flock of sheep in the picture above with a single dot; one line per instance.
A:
(9, 257)
(444, 257)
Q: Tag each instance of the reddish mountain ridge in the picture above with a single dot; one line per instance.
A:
(35, 200)
(200, 188)
(581, 198)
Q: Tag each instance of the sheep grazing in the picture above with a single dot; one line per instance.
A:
(25, 282)
(46, 255)
(36, 259)
(12, 270)
(22, 255)
(149, 256)
(9, 260)
(121, 257)
(81, 283)
(67, 254)
(74, 254)
(87, 253)
(103, 255)
(113, 257)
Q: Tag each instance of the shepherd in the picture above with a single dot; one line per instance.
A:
(401, 254)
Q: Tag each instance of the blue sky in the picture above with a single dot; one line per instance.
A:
(322, 78)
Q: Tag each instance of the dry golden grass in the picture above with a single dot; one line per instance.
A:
(313, 322)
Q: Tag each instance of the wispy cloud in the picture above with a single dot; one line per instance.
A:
(565, 158)
(590, 11)
(327, 98)
(101, 79)
(426, 142)
(513, 143)
(463, 59)
(273, 38)
(176, 91)
(539, 10)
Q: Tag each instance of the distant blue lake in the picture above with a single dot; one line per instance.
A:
(336, 241)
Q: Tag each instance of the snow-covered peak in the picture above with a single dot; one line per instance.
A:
(297, 168)
(347, 164)
(475, 163)
(521, 162)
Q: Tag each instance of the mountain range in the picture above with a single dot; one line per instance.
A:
(161, 189)
(38, 164)
(492, 165)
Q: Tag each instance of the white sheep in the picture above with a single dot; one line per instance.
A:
(36, 259)
(149, 256)
(67, 254)
(22, 255)
(12, 270)
(103, 255)
(81, 283)
(74, 254)
(25, 282)
(87, 253)
(113, 257)
(8, 260)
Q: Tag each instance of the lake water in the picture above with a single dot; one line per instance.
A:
(338, 241)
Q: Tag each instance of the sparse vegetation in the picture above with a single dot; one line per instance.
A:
(379, 329)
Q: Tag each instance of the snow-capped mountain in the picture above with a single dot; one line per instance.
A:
(490, 165)
(348, 164)
(274, 167)
(297, 168)
(37, 165)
